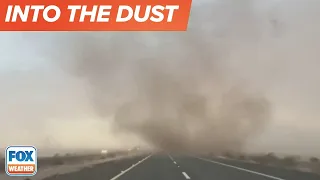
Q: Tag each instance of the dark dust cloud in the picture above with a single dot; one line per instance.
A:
(173, 90)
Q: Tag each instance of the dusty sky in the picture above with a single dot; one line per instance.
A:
(273, 46)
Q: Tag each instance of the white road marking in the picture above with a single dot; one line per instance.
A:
(134, 165)
(186, 175)
(241, 169)
(170, 157)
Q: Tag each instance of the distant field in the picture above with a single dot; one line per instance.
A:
(67, 159)
(289, 162)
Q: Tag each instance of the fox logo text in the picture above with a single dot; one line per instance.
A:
(21, 161)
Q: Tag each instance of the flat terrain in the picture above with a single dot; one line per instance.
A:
(181, 167)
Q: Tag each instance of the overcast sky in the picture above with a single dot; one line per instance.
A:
(40, 101)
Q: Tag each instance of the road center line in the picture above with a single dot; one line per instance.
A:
(170, 157)
(186, 175)
(241, 169)
(134, 165)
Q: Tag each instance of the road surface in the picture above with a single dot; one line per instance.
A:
(178, 167)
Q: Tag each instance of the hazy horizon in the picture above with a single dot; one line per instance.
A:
(269, 47)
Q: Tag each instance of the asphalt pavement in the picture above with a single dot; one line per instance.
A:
(182, 167)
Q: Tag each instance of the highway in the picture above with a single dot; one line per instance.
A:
(181, 167)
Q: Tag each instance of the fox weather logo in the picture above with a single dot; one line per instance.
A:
(21, 160)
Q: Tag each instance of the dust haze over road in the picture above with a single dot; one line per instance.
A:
(175, 95)
(176, 99)
(244, 77)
